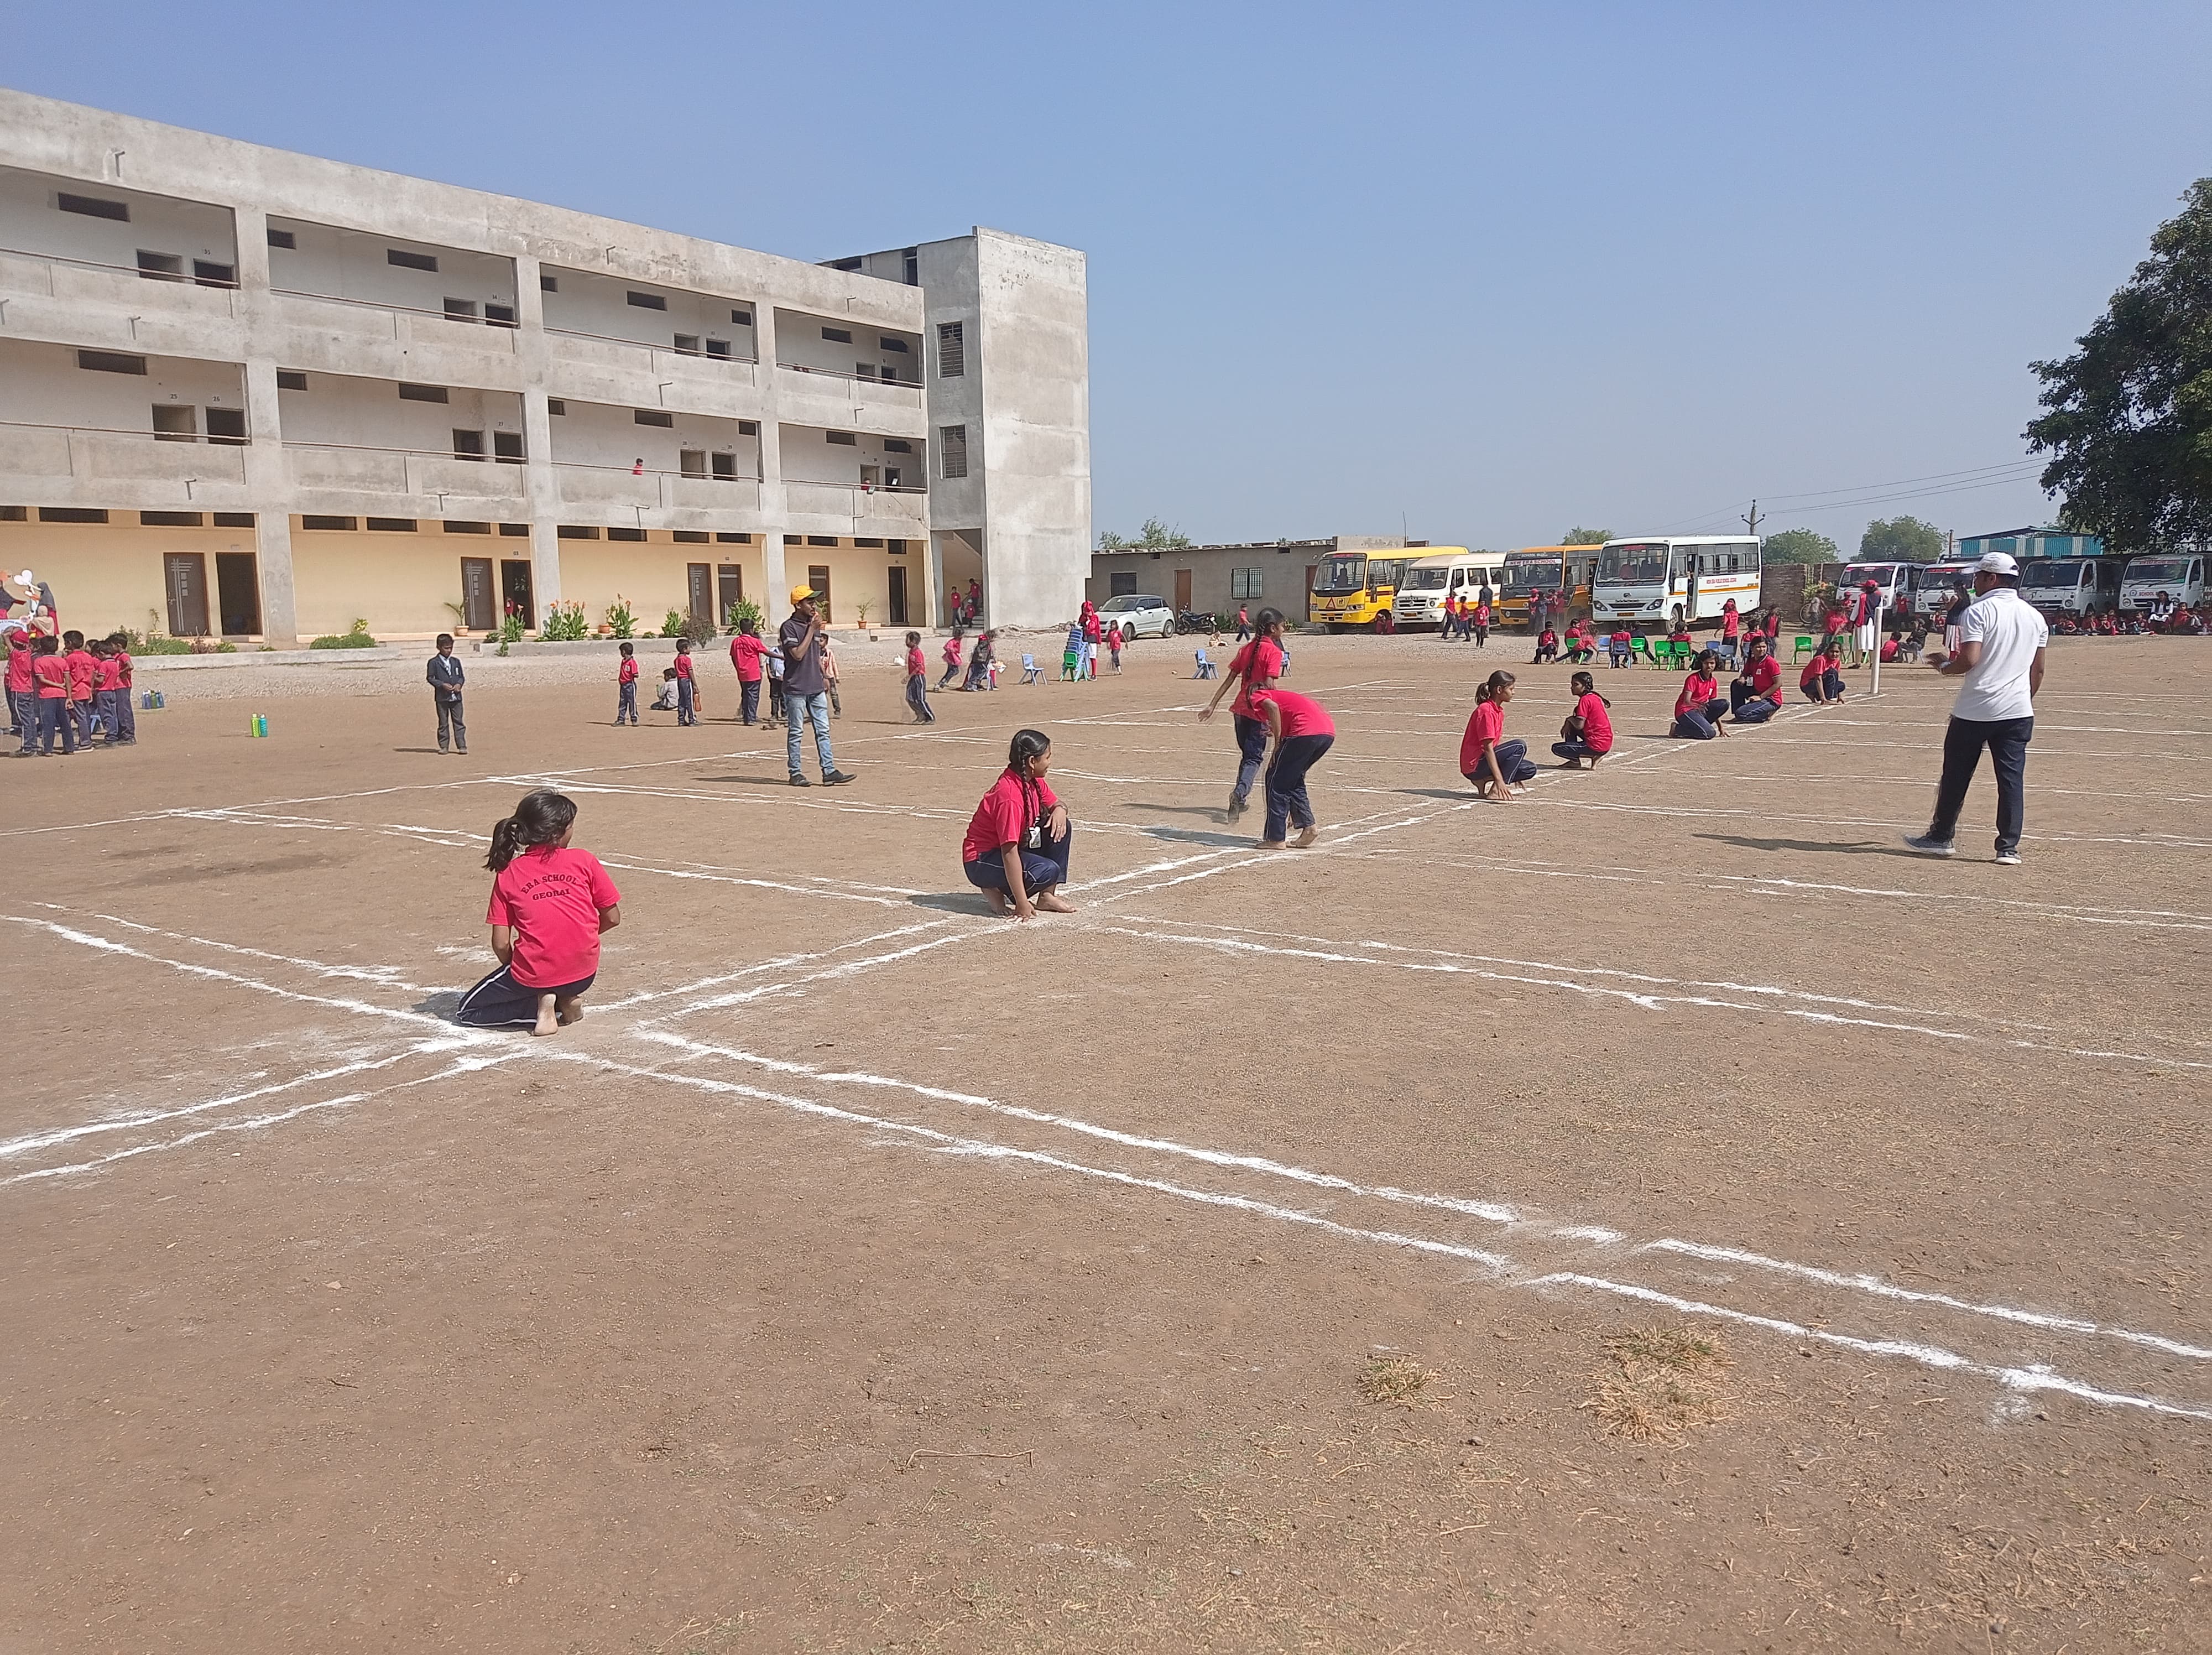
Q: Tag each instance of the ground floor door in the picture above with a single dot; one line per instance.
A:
(479, 607)
(238, 592)
(1182, 590)
(817, 576)
(729, 591)
(898, 578)
(517, 593)
(700, 597)
(185, 574)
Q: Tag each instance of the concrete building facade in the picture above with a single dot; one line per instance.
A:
(1008, 379)
(1273, 574)
(258, 393)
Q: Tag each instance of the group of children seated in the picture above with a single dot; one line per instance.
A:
(2183, 621)
(65, 687)
(1580, 644)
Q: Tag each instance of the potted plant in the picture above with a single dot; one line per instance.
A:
(860, 609)
(460, 618)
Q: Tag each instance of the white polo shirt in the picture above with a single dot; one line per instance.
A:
(2010, 632)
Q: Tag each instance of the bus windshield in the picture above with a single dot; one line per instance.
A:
(2051, 572)
(1642, 563)
(2158, 568)
(1426, 579)
(1859, 574)
(1542, 576)
(1340, 575)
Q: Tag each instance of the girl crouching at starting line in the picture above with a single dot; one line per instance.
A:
(1495, 766)
(1587, 732)
(1302, 731)
(1018, 841)
(548, 905)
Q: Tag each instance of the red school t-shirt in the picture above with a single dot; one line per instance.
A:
(1003, 816)
(1730, 625)
(111, 672)
(1485, 730)
(683, 666)
(122, 666)
(1263, 658)
(626, 673)
(20, 679)
(1696, 693)
(1597, 728)
(51, 674)
(745, 653)
(915, 666)
(1764, 673)
(1301, 715)
(82, 670)
(1814, 669)
(552, 900)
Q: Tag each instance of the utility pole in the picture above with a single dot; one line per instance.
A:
(1752, 521)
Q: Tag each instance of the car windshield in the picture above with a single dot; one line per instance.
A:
(2157, 568)
(1859, 574)
(1123, 604)
(2055, 572)
(1340, 575)
(1644, 564)
(1426, 579)
(1532, 577)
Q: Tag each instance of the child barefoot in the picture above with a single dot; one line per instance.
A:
(549, 906)
(1018, 844)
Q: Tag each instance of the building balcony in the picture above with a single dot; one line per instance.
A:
(372, 340)
(80, 466)
(619, 486)
(462, 488)
(601, 367)
(860, 508)
(824, 397)
(48, 297)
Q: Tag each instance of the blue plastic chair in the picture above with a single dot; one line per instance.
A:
(1207, 669)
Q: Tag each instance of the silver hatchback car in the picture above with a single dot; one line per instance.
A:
(1141, 615)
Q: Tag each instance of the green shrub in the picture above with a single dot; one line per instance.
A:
(158, 645)
(672, 624)
(621, 619)
(354, 637)
(743, 611)
(563, 623)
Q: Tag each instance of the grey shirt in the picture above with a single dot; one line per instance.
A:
(802, 658)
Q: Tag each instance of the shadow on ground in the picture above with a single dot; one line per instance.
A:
(1846, 847)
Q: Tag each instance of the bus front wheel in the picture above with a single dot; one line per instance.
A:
(1382, 622)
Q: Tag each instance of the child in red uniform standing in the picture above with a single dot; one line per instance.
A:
(1587, 732)
(51, 682)
(1495, 766)
(126, 716)
(105, 692)
(1700, 706)
(1302, 731)
(1017, 847)
(746, 651)
(1254, 667)
(686, 691)
(23, 690)
(917, 680)
(83, 674)
(626, 687)
(549, 906)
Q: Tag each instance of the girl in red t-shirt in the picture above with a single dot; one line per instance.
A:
(1587, 732)
(1019, 840)
(1303, 730)
(1700, 707)
(1821, 683)
(549, 906)
(1495, 766)
(917, 680)
(1254, 667)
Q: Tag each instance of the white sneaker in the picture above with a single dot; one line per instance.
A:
(1927, 847)
(2008, 859)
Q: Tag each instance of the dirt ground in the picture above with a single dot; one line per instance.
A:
(1656, 1214)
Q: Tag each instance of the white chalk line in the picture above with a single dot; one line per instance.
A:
(1497, 1265)
(381, 977)
(780, 962)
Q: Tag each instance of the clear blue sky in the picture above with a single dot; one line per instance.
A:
(1489, 270)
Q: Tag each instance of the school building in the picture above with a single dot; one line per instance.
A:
(1215, 580)
(258, 394)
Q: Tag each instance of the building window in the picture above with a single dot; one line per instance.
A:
(73, 513)
(468, 445)
(660, 416)
(691, 462)
(842, 439)
(859, 541)
(548, 284)
(93, 207)
(160, 266)
(455, 526)
(13, 514)
(555, 405)
(690, 537)
(1121, 586)
(330, 522)
(291, 379)
(726, 467)
(110, 361)
(625, 534)
(897, 345)
(461, 310)
(817, 576)
(910, 267)
(283, 239)
(688, 344)
(406, 260)
(422, 393)
(748, 429)
(951, 350)
(952, 450)
(838, 335)
(506, 448)
(175, 423)
(898, 547)
(742, 318)
(233, 519)
(576, 532)
(729, 539)
(209, 274)
(169, 520)
(821, 540)
(226, 426)
(898, 445)
(646, 301)
(518, 530)
(718, 348)
(393, 525)
(1242, 583)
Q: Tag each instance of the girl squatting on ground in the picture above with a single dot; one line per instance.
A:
(550, 904)
(1018, 844)
(1587, 735)
(1499, 768)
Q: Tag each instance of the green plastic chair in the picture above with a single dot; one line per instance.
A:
(1804, 648)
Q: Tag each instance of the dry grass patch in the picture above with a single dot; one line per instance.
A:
(1668, 1380)
(1398, 1379)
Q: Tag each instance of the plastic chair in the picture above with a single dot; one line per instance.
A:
(1804, 647)
(1067, 665)
(1639, 645)
(1207, 669)
(1032, 673)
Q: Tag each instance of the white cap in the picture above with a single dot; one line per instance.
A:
(1997, 562)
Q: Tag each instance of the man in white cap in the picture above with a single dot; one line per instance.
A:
(1999, 654)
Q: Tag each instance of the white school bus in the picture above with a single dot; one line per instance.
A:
(1656, 580)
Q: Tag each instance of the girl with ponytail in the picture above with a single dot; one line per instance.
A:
(1017, 848)
(1495, 766)
(1587, 732)
(548, 905)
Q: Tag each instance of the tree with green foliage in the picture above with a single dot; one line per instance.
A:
(1154, 536)
(1799, 546)
(1585, 537)
(1901, 540)
(2129, 425)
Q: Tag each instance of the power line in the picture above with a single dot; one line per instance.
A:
(2019, 473)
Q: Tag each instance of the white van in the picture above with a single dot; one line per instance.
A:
(1449, 572)
(2071, 586)
(2180, 575)
(1938, 584)
(1898, 582)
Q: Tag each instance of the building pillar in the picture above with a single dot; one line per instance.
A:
(267, 477)
(775, 603)
(933, 578)
(541, 483)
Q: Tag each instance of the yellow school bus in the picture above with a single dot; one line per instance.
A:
(1351, 588)
(1553, 569)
